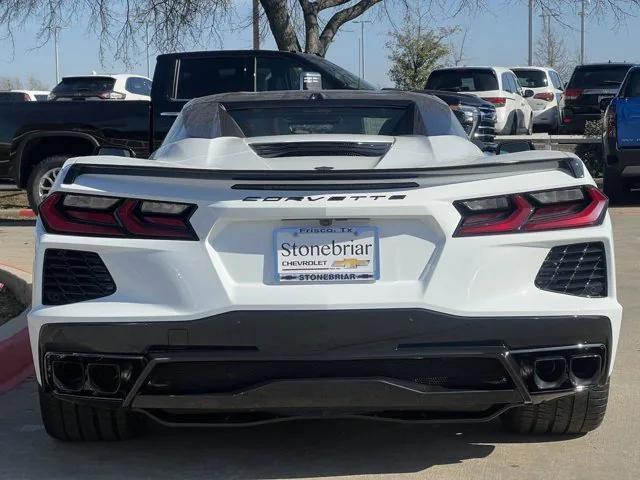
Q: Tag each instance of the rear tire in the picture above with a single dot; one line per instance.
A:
(72, 422)
(41, 179)
(614, 187)
(514, 125)
(577, 414)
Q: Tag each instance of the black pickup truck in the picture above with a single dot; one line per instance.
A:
(37, 137)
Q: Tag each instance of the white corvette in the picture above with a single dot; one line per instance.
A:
(298, 254)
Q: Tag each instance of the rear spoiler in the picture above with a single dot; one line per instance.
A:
(571, 166)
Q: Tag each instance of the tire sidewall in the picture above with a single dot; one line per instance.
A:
(49, 163)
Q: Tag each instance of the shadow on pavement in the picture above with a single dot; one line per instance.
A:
(305, 448)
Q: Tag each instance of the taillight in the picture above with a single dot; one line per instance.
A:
(611, 121)
(88, 215)
(113, 96)
(572, 93)
(497, 101)
(532, 211)
(546, 96)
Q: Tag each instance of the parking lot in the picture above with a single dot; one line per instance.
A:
(331, 448)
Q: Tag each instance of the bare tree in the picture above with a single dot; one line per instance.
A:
(551, 50)
(299, 25)
(34, 83)
(10, 83)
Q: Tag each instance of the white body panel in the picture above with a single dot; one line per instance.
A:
(231, 267)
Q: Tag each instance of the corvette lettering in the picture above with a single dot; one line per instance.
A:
(332, 198)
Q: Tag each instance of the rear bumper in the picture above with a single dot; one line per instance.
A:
(576, 122)
(547, 116)
(398, 364)
(625, 162)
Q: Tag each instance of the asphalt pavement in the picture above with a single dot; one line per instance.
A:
(341, 449)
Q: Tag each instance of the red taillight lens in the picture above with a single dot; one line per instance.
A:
(71, 214)
(547, 96)
(572, 93)
(497, 101)
(532, 212)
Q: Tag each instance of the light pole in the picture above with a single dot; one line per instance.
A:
(531, 32)
(256, 25)
(362, 22)
(55, 49)
(582, 32)
(146, 41)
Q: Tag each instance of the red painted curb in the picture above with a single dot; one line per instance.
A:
(16, 363)
(27, 213)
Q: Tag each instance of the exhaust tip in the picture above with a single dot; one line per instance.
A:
(104, 378)
(549, 372)
(585, 369)
(68, 376)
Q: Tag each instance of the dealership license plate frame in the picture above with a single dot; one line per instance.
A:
(356, 230)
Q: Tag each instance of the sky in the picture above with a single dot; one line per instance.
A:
(497, 36)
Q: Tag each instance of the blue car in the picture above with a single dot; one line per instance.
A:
(621, 139)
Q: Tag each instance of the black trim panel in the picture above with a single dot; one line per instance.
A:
(570, 165)
(325, 334)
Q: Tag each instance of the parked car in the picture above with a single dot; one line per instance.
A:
(621, 139)
(36, 139)
(494, 84)
(102, 87)
(23, 96)
(588, 87)
(477, 116)
(339, 254)
(547, 87)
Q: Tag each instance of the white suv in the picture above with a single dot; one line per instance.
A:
(102, 87)
(497, 85)
(548, 88)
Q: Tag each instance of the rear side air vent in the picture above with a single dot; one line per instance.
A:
(321, 149)
(71, 276)
(578, 269)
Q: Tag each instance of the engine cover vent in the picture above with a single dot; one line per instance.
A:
(71, 276)
(577, 269)
(321, 149)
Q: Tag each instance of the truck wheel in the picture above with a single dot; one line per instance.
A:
(614, 187)
(42, 177)
(71, 422)
(579, 413)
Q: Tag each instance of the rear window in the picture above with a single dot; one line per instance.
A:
(198, 77)
(605, 77)
(531, 78)
(7, 97)
(257, 122)
(463, 80)
(631, 86)
(84, 84)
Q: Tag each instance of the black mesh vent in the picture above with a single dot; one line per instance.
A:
(578, 269)
(321, 149)
(71, 276)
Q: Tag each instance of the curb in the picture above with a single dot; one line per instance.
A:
(26, 213)
(17, 213)
(16, 362)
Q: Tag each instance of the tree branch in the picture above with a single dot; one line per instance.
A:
(340, 18)
(281, 25)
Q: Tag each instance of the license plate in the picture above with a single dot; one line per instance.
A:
(604, 97)
(326, 254)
